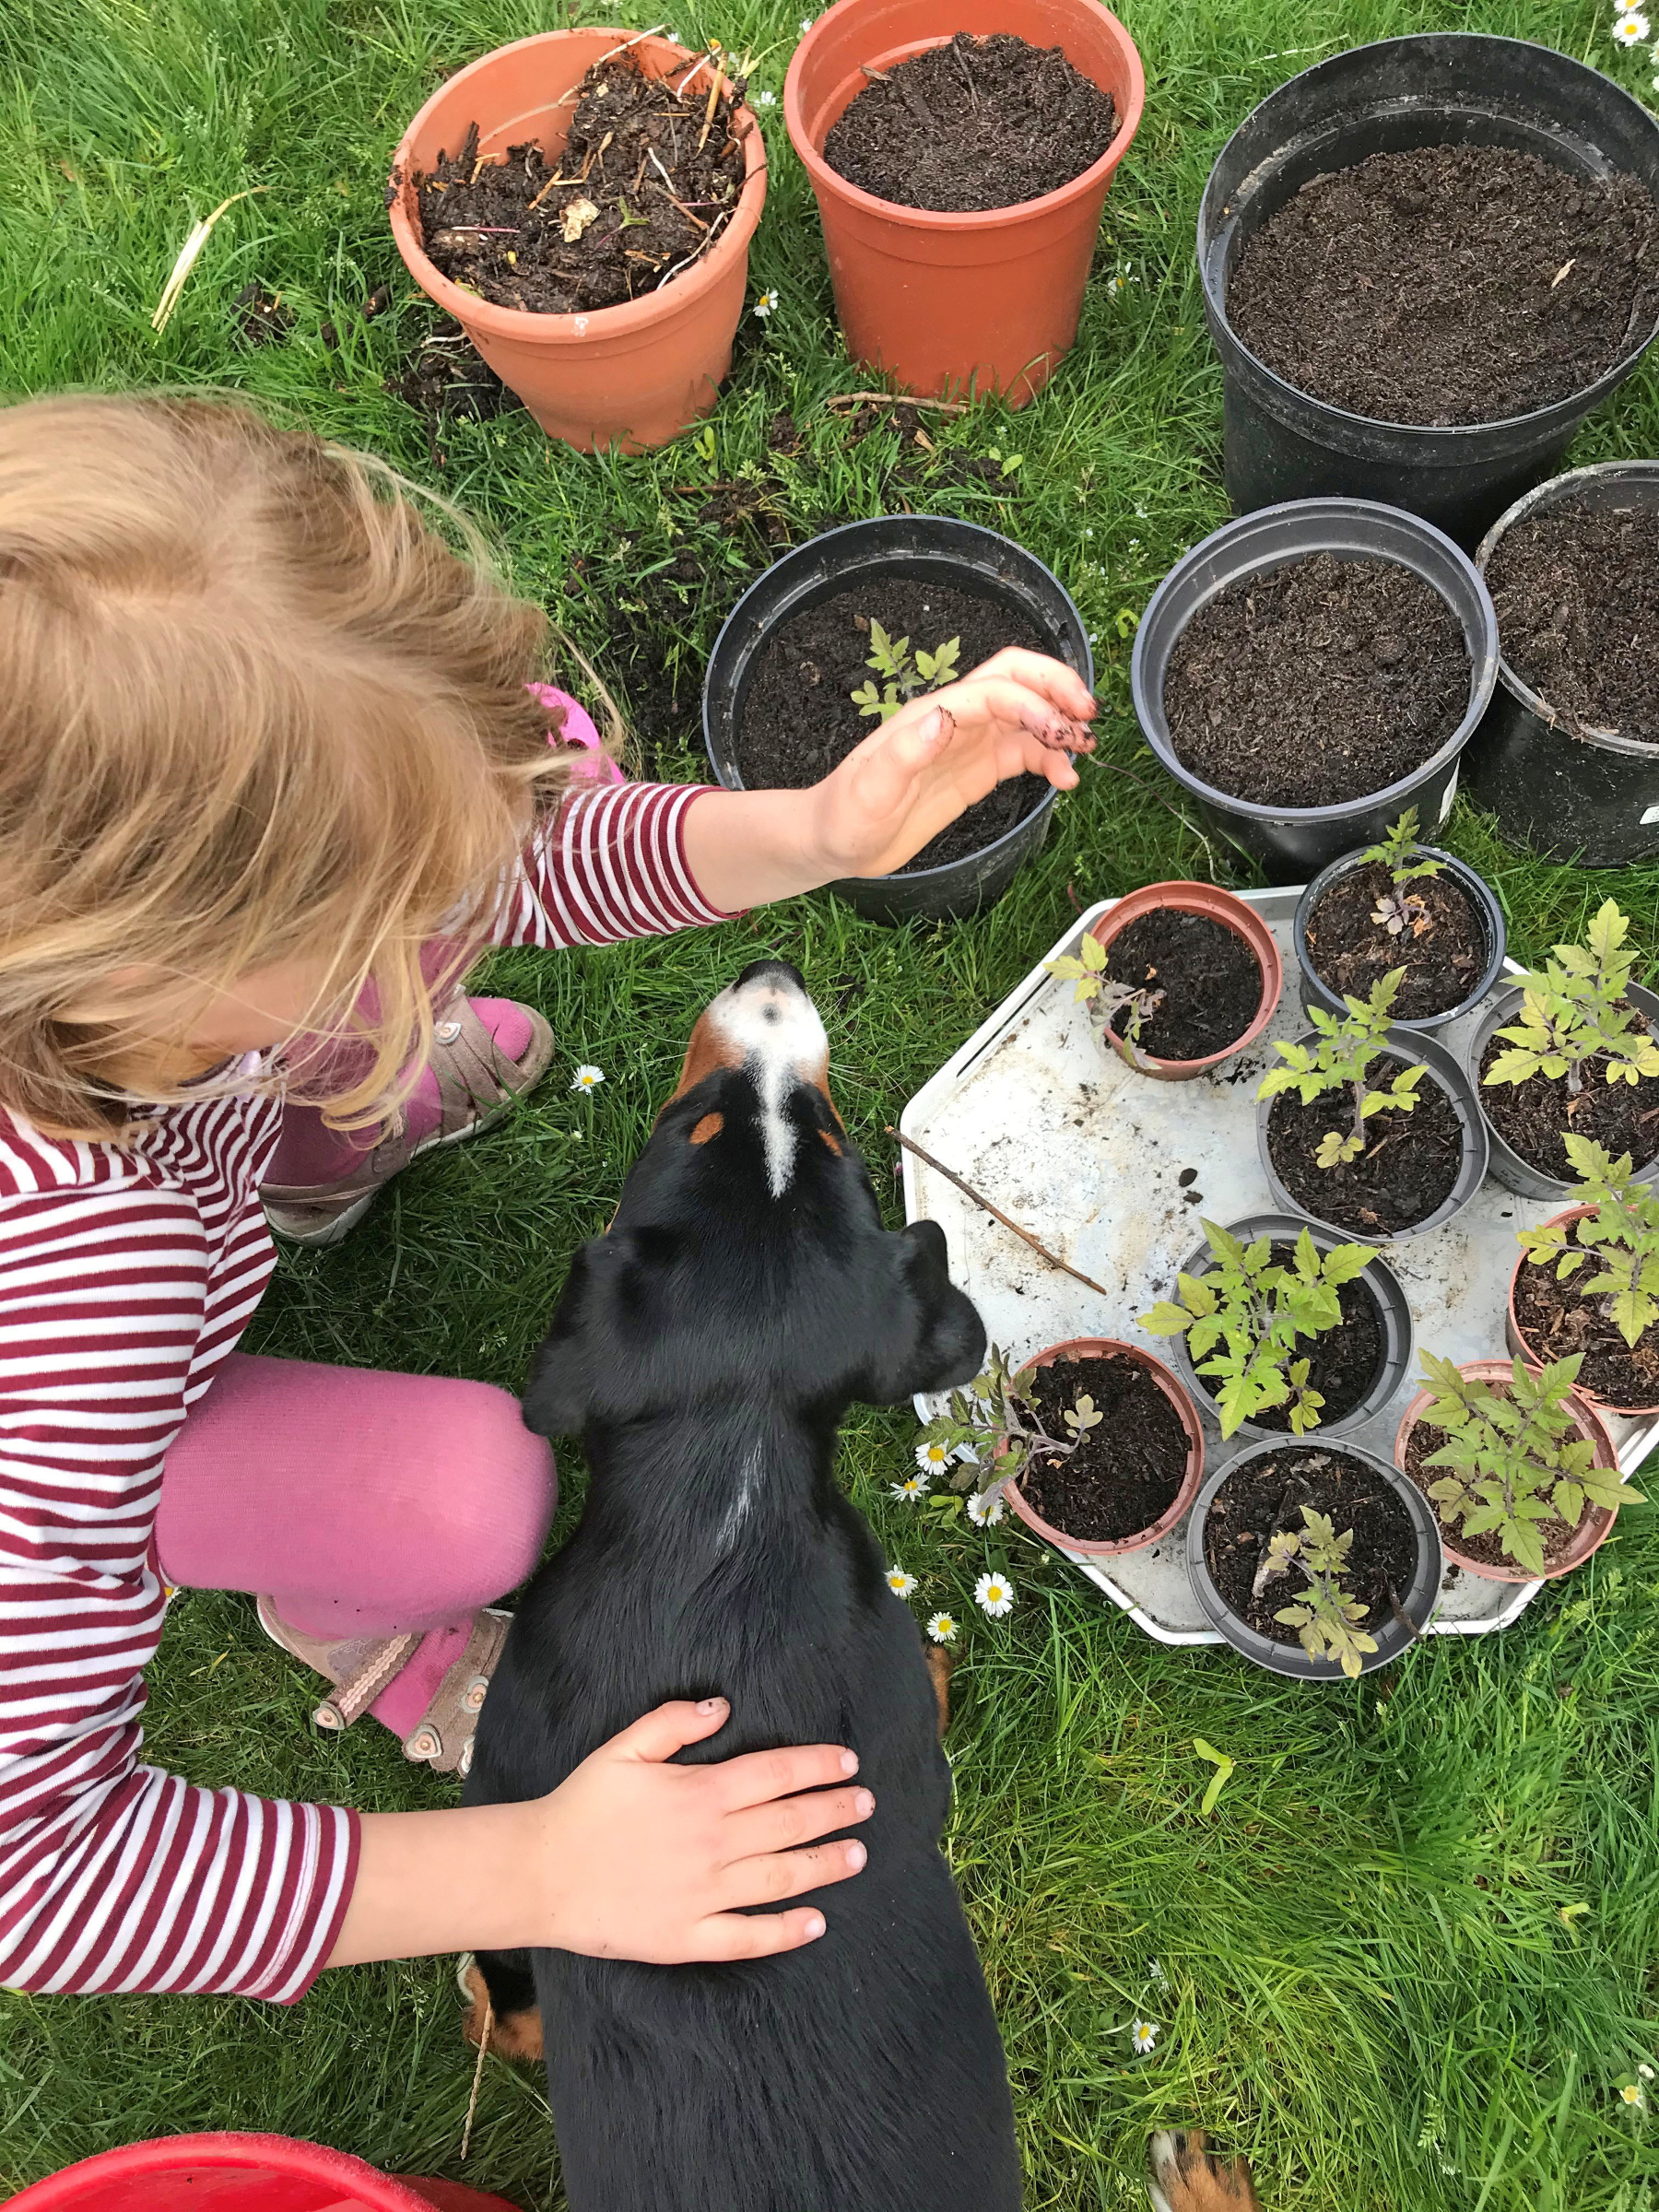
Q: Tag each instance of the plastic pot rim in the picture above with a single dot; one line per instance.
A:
(1249, 927)
(1115, 1348)
(1522, 1344)
(1481, 896)
(1483, 669)
(1537, 420)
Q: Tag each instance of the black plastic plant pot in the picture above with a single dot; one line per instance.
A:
(1294, 843)
(1316, 991)
(934, 549)
(1411, 1047)
(1434, 90)
(1567, 792)
(1515, 1173)
(1393, 1636)
(1389, 1302)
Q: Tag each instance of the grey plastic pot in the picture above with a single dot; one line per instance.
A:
(1511, 1170)
(933, 547)
(1388, 1299)
(1294, 843)
(1452, 1079)
(1282, 443)
(1316, 991)
(1567, 790)
(1417, 1602)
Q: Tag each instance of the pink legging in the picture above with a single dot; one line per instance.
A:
(363, 1503)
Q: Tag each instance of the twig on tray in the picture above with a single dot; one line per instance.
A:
(996, 1213)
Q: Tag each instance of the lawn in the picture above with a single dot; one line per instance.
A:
(1407, 1956)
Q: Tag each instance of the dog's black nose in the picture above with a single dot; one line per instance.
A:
(772, 971)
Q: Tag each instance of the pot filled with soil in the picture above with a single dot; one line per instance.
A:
(1567, 757)
(1309, 672)
(1552, 1313)
(1178, 977)
(797, 680)
(1125, 1477)
(1335, 1341)
(1511, 1521)
(1424, 262)
(1399, 905)
(562, 199)
(960, 158)
(1314, 1561)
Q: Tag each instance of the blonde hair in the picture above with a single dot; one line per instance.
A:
(252, 709)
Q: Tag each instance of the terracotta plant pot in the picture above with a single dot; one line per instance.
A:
(1519, 1344)
(1598, 1521)
(1209, 899)
(632, 375)
(951, 304)
(1103, 1348)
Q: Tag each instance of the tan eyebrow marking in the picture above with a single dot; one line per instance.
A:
(831, 1142)
(710, 1127)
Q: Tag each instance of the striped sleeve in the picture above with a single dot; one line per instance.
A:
(609, 864)
(112, 1874)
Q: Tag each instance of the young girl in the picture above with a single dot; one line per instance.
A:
(271, 775)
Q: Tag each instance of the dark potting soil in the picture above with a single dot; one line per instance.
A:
(1487, 1548)
(1577, 594)
(1533, 1117)
(636, 199)
(1558, 1318)
(1269, 1494)
(1342, 1363)
(1125, 1476)
(799, 721)
(1211, 981)
(1449, 284)
(1317, 681)
(1442, 947)
(973, 124)
(1409, 1167)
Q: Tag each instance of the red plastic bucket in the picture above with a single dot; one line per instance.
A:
(241, 2173)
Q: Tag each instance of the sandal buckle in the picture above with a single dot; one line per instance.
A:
(473, 1697)
(329, 1716)
(423, 1743)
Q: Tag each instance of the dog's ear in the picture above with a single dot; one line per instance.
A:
(559, 1394)
(606, 1319)
(937, 1339)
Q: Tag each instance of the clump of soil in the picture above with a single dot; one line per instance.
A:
(797, 719)
(1342, 1363)
(1577, 592)
(1269, 1494)
(973, 124)
(1409, 1167)
(639, 192)
(1486, 1549)
(445, 375)
(1534, 1117)
(1449, 284)
(1125, 1476)
(1443, 948)
(1317, 681)
(1210, 979)
(1558, 1318)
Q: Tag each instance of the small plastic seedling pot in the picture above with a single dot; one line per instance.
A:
(1294, 843)
(1593, 1528)
(1443, 87)
(1417, 1602)
(1216, 905)
(1316, 991)
(1112, 1348)
(1413, 1049)
(938, 550)
(1567, 790)
(1523, 1348)
(1515, 1173)
(1388, 1298)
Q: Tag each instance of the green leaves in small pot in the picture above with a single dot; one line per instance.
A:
(1574, 1010)
(1339, 1062)
(1620, 1234)
(1325, 1618)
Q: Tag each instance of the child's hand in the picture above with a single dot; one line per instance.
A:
(941, 752)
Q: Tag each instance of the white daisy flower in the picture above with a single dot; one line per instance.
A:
(806, 24)
(1645, 2071)
(933, 1459)
(983, 1515)
(766, 304)
(1155, 1974)
(898, 1583)
(1143, 2036)
(768, 99)
(1632, 29)
(1631, 2093)
(587, 1078)
(994, 1593)
(942, 1628)
(913, 1489)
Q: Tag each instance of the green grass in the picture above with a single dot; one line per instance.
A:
(1370, 1985)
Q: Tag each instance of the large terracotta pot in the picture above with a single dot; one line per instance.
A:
(1111, 1348)
(1216, 905)
(633, 375)
(1519, 1343)
(945, 303)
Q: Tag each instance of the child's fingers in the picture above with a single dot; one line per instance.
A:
(657, 1735)
(768, 1881)
(788, 1821)
(1062, 688)
(756, 1936)
(760, 1776)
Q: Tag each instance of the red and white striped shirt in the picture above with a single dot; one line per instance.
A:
(126, 1274)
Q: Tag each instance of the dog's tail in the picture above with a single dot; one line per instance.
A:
(1186, 2176)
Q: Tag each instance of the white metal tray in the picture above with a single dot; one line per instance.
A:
(1088, 1156)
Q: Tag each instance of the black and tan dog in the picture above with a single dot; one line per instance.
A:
(705, 1349)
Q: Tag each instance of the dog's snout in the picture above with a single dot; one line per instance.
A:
(781, 974)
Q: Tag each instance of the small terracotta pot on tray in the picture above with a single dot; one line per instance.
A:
(1215, 905)
(1112, 1348)
(1521, 1345)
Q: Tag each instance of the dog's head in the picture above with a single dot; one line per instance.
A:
(747, 1258)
